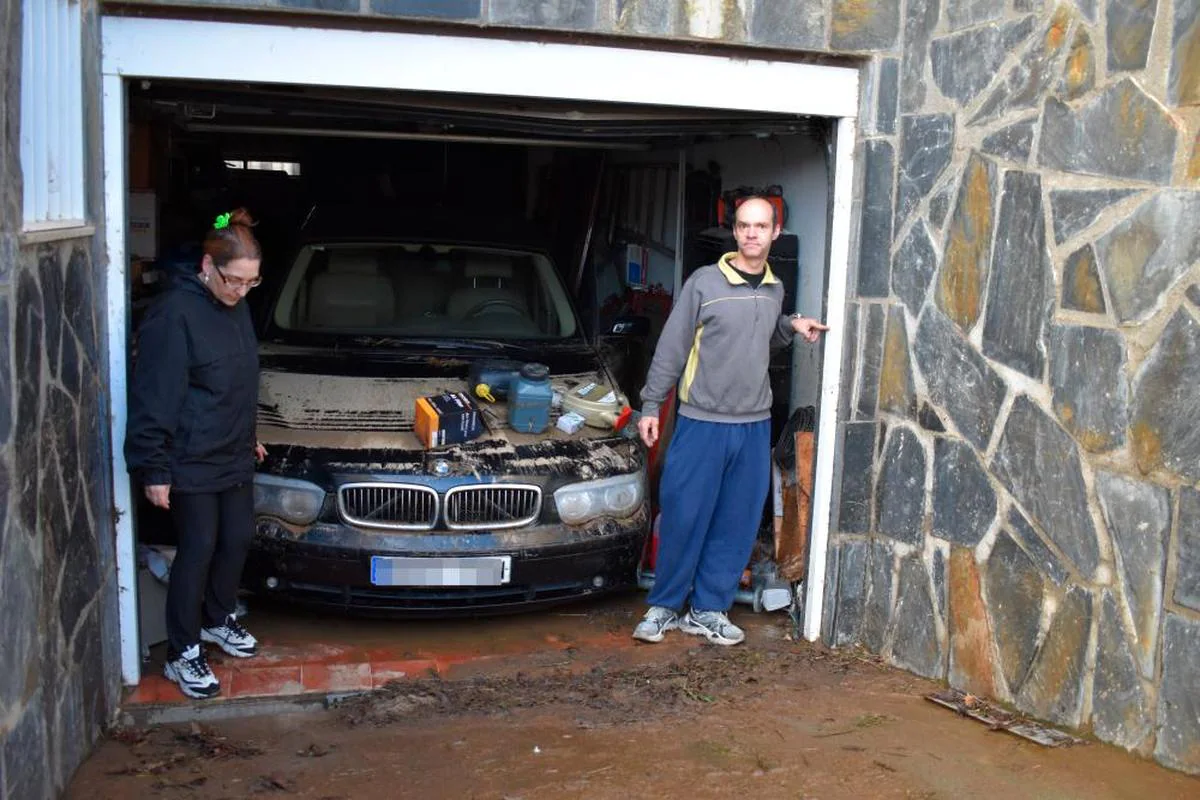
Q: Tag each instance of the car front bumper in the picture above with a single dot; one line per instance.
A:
(329, 565)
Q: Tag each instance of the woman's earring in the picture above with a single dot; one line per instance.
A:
(206, 277)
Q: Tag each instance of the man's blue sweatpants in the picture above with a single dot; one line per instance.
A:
(711, 493)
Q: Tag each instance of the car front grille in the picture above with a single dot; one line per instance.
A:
(413, 507)
(492, 506)
(398, 506)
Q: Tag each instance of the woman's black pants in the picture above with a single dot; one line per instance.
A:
(214, 534)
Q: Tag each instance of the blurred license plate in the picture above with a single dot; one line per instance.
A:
(407, 571)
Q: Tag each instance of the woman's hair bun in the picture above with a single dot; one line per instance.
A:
(240, 216)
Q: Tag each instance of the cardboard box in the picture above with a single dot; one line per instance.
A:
(447, 418)
(142, 237)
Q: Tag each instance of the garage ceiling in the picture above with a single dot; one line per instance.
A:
(283, 109)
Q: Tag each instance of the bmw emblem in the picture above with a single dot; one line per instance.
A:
(441, 467)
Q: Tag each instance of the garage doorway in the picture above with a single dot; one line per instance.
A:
(540, 120)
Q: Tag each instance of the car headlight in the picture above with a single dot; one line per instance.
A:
(295, 501)
(618, 496)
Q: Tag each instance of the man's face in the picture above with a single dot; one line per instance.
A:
(754, 228)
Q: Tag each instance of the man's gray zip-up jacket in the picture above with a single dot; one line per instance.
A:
(717, 344)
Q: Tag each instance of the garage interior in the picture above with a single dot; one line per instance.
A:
(628, 199)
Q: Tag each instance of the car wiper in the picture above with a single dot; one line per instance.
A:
(439, 343)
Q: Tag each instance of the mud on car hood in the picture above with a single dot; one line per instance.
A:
(322, 426)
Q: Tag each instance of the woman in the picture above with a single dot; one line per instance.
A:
(191, 444)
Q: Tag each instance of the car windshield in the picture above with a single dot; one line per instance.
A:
(421, 289)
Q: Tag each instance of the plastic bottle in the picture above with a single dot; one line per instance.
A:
(529, 399)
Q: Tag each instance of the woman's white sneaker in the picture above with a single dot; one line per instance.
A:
(191, 671)
(712, 625)
(655, 624)
(232, 637)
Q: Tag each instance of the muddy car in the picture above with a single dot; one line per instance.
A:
(354, 513)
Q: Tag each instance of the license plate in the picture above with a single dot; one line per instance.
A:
(409, 571)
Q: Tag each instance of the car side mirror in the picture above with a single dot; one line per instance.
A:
(630, 326)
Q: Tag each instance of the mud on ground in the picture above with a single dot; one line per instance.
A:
(773, 718)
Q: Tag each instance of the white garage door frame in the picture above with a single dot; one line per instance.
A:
(134, 48)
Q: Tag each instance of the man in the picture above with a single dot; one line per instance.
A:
(716, 345)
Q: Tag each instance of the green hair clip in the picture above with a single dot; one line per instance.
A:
(222, 221)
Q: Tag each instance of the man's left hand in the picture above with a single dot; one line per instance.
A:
(810, 329)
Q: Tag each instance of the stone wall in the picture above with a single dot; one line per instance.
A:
(59, 663)
(1018, 509)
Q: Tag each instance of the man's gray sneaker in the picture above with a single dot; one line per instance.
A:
(232, 637)
(712, 625)
(655, 624)
(191, 671)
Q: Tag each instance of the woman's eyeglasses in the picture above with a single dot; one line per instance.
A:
(237, 283)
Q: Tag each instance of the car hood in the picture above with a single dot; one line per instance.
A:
(327, 427)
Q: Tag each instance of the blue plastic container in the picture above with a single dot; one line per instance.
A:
(529, 399)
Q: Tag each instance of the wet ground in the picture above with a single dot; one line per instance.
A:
(584, 716)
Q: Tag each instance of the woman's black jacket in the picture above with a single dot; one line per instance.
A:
(194, 397)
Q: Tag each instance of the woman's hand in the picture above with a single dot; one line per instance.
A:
(159, 495)
(260, 452)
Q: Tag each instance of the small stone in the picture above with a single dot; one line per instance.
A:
(447, 9)
(939, 204)
(1012, 143)
(964, 503)
(889, 96)
(1015, 592)
(1130, 27)
(1166, 394)
(1081, 290)
(964, 13)
(6, 407)
(1088, 7)
(1178, 700)
(830, 604)
(901, 501)
(877, 611)
(1074, 210)
(916, 647)
(896, 393)
(790, 23)
(1187, 574)
(1193, 168)
(1079, 77)
(1144, 256)
(876, 231)
(1032, 448)
(864, 24)
(971, 665)
(1039, 552)
(1031, 77)
(921, 17)
(930, 420)
(926, 144)
(1119, 713)
(1193, 294)
(1054, 689)
(913, 268)
(19, 624)
(1120, 133)
(849, 359)
(580, 14)
(322, 5)
(1184, 86)
(653, 18)
(872, 349)
(967, 260)
(1015, 333)
(852, 593)
(25, 752)
(28, 369)
(1138, 516)
(858, 451)
(958, 379)
(50, 278)
(965, 63)
(1091, 393)
(939, 581)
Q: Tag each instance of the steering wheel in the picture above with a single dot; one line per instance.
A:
(496, 304)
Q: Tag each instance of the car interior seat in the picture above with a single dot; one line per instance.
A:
(351, 293)
(489, 285)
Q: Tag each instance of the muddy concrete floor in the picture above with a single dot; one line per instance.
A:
(773, 718)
